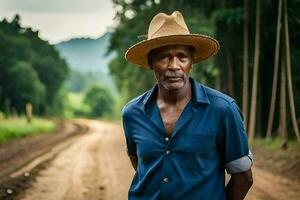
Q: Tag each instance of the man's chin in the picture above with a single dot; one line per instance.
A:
(174, 85)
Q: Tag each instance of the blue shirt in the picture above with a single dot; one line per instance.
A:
(209, 137)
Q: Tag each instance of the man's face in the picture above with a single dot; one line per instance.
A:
(171, 65)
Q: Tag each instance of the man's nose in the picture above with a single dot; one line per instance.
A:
(174, 64)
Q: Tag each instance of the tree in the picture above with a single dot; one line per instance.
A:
(245, 65)
(23, 51)
(255, 73)
(100, 101)
(282, 126)
(275, 73)
(52, 72)
(289, 76)
(24, 86)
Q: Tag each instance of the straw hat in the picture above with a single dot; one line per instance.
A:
(168, 30)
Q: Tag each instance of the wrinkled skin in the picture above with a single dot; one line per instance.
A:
(171, 66)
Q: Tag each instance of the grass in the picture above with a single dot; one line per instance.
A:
(18, 127)
(269, 155)
(273, 144)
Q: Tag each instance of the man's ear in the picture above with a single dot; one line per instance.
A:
(149, 59)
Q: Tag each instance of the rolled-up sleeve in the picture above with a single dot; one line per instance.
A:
(239, 165)
(234, 144)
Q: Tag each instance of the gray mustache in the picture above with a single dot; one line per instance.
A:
(175, 74)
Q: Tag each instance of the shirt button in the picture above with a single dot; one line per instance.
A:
(166, 180)
(168, 151)
(167, 139)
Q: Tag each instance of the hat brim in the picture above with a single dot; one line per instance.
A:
(205, 47)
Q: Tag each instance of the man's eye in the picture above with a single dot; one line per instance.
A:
(163, 58)
(183, 58)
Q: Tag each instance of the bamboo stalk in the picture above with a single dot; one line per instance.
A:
(245, 66)
(255, 74)
(289, 76)
(275, 73)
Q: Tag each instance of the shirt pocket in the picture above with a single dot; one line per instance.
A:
(203, 144)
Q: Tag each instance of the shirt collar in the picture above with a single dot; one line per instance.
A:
(198, 94)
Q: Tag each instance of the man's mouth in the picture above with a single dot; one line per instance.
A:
(174, 78)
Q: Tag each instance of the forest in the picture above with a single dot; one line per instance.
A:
(31, 70)
(258, 63)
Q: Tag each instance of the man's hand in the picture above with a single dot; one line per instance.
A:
(239, 184)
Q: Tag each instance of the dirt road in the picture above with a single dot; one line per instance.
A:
(95, 167)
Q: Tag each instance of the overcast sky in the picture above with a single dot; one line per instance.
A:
(59, 20)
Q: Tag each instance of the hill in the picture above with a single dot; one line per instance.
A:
(88, 60)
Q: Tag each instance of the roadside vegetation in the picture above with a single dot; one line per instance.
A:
(94, 102)
(37, 75)
(19, 127)
(271, 155)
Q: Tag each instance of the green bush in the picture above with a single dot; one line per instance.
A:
(18, 127)
(100, 101)
(2, 115)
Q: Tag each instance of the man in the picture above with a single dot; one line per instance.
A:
(181, 136)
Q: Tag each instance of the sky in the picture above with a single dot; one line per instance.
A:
(60, 20)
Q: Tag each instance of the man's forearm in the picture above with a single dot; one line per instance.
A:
(239, 185)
